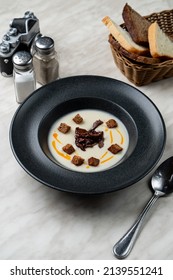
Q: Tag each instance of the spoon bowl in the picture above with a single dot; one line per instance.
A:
(162, 184)
(162, 179)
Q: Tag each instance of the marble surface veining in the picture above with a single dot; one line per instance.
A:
(41, 223)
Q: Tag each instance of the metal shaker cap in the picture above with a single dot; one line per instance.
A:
(22, 60)
(44, 44)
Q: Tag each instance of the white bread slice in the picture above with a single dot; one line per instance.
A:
(159, 43)
(123, 37)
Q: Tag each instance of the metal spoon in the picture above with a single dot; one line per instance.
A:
(162, 184)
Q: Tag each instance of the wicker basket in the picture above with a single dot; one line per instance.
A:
(141, 73)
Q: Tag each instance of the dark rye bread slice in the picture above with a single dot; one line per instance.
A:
(136, 25)
(137, 58)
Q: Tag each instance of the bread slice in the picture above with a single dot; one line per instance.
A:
(136, 25)
(123, 37)
(133, 56)
(160, 44)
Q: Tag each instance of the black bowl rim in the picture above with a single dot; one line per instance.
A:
(106, 183)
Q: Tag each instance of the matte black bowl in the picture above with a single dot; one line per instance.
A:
(32, 121)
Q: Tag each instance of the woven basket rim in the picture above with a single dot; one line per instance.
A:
(132, 61)
(139, 65)
(158, 13)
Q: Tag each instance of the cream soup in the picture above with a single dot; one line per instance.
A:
(117, 135)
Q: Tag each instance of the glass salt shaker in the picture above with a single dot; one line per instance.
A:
(24, 75)
(45, 60)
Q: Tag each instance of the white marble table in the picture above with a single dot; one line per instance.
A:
(37, 222)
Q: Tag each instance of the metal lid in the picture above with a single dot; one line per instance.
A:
(44, 44)
(22, 60)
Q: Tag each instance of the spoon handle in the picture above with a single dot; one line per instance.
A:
(124, 246)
